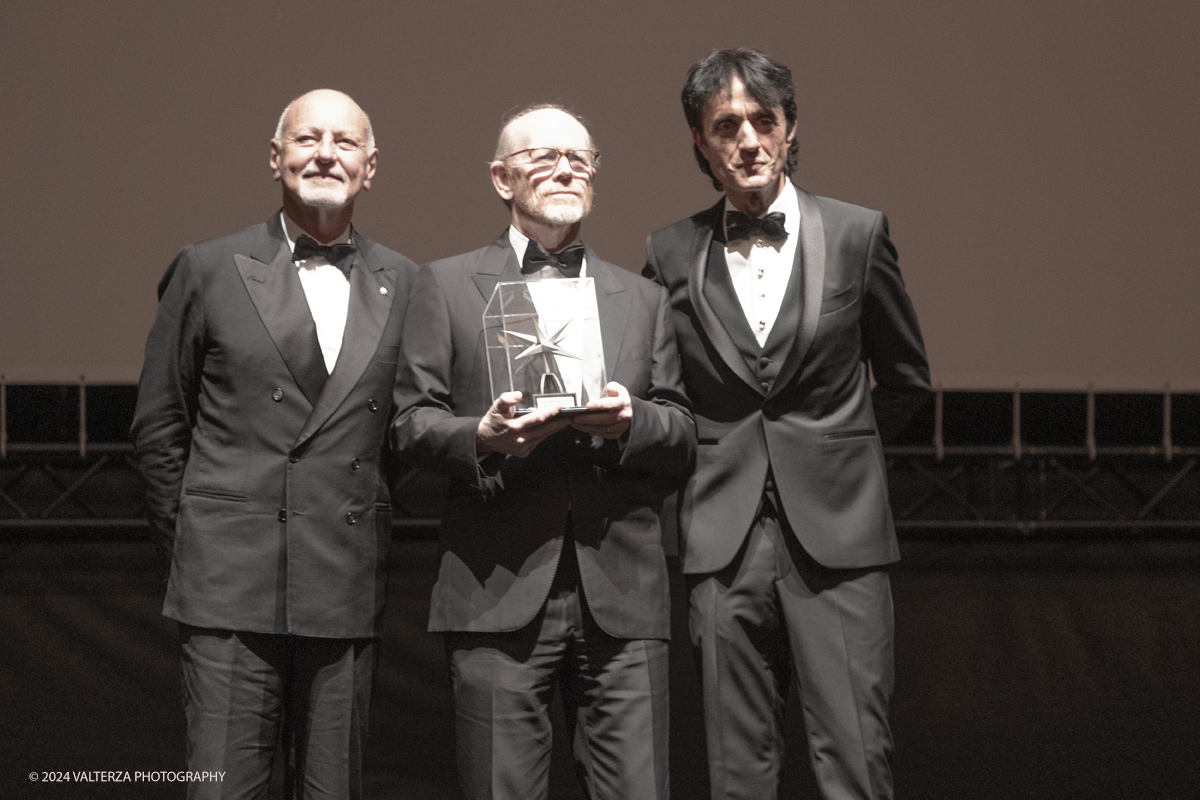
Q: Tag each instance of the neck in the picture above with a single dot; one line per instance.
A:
(322, 224)
(755, 202)
(552, 238)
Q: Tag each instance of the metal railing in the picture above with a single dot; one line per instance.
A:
(939, 484)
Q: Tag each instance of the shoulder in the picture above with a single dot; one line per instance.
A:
(201, 259)
(403, 268)
(837, 215)
(224, 247)
(609, 273)
(681, 234)
(473, 261)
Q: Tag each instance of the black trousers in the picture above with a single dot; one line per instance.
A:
(247, 693)
(775, 614)
(614, 692)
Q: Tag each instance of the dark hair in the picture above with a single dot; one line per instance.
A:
(769, 83)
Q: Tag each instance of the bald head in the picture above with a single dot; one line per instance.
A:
(528, 123)
(324, 155)
(340, 102)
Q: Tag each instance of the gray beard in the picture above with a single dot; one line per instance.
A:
(322, 197)
(555, 213)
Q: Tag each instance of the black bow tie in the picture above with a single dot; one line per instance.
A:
(340, 255)
(739, 226)
(569, 261)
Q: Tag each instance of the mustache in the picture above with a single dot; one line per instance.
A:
(317, 173)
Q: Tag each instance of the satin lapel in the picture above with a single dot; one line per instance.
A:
(710, 323)
(372, 290)
(499, 264)
(811, 255)
(612, 306)
(277, 294)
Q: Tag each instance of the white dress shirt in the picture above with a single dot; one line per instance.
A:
(327, 290)
(570, 369)
(760, 268)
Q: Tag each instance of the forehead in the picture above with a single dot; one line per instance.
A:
(736, 102)
(326, 112)
(548, 127)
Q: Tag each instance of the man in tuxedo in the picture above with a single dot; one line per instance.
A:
(782, 302)
(260, 434)
(552, 567)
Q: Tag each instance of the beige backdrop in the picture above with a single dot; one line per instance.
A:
(1038, 161)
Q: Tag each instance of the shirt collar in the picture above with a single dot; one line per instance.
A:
(292, 232)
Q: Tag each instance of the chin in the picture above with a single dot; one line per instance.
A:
(323, 198)
(560, 213)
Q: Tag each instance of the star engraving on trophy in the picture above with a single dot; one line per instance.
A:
(542, 343)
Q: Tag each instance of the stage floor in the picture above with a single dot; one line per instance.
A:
(1024, 670)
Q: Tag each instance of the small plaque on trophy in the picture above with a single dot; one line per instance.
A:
(543, 340)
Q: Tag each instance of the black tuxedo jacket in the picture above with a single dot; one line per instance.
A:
(502, 530)
(267, 486)
(800, 409)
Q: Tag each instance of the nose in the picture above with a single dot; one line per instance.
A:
(325, 150)
(747, 136)
(562, 169)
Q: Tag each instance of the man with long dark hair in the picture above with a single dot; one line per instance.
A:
(782, 302)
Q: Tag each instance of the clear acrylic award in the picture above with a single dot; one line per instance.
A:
(543, 340)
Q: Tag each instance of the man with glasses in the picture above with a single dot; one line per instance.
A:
(552, 568)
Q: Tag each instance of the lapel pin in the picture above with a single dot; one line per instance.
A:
(383, 290)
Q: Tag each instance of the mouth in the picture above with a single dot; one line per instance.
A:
(309, 176)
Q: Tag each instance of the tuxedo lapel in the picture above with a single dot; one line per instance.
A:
(811, 257)
(612, 306)
(274, 287)
(499, 264)
(710, 322)
(372, 290)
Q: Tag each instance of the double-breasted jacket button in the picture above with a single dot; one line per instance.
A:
(351, 518)
(763, 361)
(283, 515)
(277, 395)
(355, 464)
(293, 459)
(372, 405)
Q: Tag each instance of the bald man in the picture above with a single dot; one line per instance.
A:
(260, 421)
(552, 569)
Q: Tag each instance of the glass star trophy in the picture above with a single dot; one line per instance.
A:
(543, 340)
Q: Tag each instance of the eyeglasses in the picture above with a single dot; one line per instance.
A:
(581, 162)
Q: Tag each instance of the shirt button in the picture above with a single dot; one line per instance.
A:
(351, 519)
(355, 464)
(277, 395)
(372, 405)
(293, 459)
(283, 515)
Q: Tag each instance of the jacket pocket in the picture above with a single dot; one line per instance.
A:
(850, 434)
(216, 494)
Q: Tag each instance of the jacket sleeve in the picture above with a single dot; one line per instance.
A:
(891, 339)
(662, 435)
(425, 429)
(168, 393)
